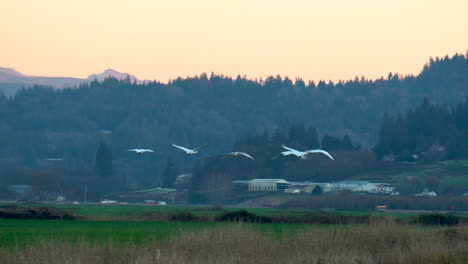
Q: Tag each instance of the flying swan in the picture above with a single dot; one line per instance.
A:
(237, 153)
(141, 151)
(302, 154)
(189, 151)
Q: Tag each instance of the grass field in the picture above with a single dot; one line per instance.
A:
(159, 242)
(21, 232)
(18, 233)
(112, 238)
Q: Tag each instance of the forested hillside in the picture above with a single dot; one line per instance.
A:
(428, 126)
(42, 123)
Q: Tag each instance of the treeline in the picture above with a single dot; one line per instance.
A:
(428, 128)
(42, 123)
(300, 135)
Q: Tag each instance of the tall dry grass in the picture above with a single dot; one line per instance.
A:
(242, 243)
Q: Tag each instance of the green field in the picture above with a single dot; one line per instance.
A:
(53, 241)
(99, 223)
(112, 238)
(15, 233)
(130, 223)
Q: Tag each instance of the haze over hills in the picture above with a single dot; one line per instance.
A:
(11, 80)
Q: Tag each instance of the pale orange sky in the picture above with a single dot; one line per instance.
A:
(331, 40)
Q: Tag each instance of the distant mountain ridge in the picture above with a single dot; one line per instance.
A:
(11, 80)
(9, 71)
(112, 73)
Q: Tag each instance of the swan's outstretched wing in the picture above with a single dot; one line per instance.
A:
(135, 150)
(141, 150)
(237, 153)
(234, 153)
(182, 148)
(315, 151)
(290, 149)
(200, 147)
(246, 155)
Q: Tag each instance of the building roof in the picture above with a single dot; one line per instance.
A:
(268, 181)
(353, 182)
(157, 190)
(305, 183)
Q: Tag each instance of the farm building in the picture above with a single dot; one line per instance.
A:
(300, 187)
(348, 185)
(183, 181)
(297, 188)
(271, 185)
(370, 187)
(426, 192)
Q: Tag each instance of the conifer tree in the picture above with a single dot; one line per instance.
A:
(104, 160)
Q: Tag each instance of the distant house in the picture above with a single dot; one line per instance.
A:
(374, 187)
(352, 186)
(384, 188)
(309, 186)
(157, 190)
(107, 201)
(182, 181)
(300, 187)
(149, 202)
(426, 192)
(326, 187)
(269, 185)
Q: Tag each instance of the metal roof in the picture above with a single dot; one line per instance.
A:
(268, 181)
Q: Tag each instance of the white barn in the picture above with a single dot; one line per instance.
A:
(269, 185)
(382, 188)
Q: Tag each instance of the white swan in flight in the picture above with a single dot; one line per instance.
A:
(141, 151)
(302, 154)
(290, 151)
(237, 153)
(189, 151)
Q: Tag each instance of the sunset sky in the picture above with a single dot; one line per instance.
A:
(331, 40)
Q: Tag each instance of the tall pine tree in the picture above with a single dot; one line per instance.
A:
(104, 160)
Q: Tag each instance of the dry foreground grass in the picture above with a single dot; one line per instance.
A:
(243, 243)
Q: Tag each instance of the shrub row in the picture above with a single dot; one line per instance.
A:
(369, 202)
(41, 213)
